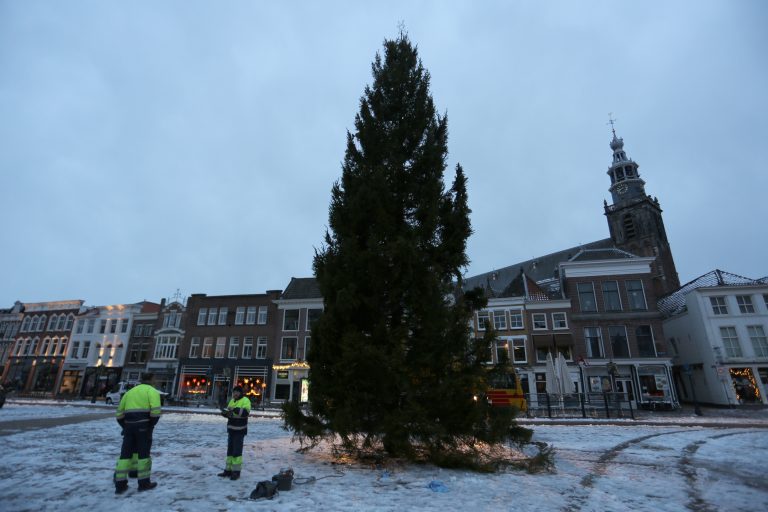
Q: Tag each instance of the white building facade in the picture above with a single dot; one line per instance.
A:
(717, 326)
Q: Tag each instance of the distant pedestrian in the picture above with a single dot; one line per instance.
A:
(138, 413)
(237, 412)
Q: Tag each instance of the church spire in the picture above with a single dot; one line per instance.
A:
(626, 184)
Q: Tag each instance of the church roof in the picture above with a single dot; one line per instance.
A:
(540, 270)
(302, 288)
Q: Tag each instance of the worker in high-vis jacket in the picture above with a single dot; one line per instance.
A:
(237, 411)
(138, 413)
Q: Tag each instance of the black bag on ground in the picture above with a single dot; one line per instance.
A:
(264, 489)
(283, 479)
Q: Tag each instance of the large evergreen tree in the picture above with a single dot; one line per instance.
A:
(392, 362)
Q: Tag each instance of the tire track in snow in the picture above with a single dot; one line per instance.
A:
(579, 496)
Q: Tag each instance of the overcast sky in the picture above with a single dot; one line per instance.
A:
(150, 146)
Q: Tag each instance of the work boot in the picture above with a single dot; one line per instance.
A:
(121, 487)
(226, 473)
(146, 485)
(133, 473)
(235, 475)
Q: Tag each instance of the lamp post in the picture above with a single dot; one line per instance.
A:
(689, 372)
(96, 378)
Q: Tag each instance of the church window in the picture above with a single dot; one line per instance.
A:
(629, 226)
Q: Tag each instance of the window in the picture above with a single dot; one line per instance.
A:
(718, 305)
(594, 341)
(515, 318)
(502, 350)
(519, 353)
(61, 323)
(261, 347)
(86, 349)
(123, 325)
(113, 326)
(212, 315)
(251, 318)
(207, 347)
(559, 321)
(38, 323)
(288, 350)
(759, 342)
(645, 344)
(248, 347)
(262, 315)
(70, 320)
(80, 325)
(25, 324)
(541, 354)
(221, 343)
(103, 326)
(611, 299)
(745, 304)
(730, 341)
(307, 341)
(483, 320)
(618, 336)
(765, 299)
(46, 344)
(291, 320)
(312, 316)
(636, 295)
(240, 315)
(63, 346)
(539, 321)
(201, 315)
(234, 347)
(91, 325)
(500, 320)
(194, 347)
(586, 297)
(166, 346)
(222, 316)
(52, 323)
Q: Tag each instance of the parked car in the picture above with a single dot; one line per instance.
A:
(114, 396)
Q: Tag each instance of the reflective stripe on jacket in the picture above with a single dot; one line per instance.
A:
(239, 410)
(140, 404)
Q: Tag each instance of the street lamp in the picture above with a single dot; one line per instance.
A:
(689, 372)
(96, 378)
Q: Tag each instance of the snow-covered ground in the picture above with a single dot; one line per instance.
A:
(599, 467)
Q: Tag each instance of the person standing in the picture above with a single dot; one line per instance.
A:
(237, 412)
(138, 413)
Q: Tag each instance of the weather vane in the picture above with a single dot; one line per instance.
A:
(611, 120)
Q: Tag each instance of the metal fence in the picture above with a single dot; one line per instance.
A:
(580, 405)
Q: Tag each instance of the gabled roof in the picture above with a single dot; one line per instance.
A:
(607, 253)
(302, 288)
(538, 269)
(674, 303)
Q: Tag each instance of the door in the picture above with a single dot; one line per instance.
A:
(625, 386)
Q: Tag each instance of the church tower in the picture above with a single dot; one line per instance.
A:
(635, 220)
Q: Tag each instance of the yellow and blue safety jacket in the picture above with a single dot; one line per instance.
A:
(139, 406)
(238, 414)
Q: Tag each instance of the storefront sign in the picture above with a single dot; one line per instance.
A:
(282, 374)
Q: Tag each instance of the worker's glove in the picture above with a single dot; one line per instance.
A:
(225, 413)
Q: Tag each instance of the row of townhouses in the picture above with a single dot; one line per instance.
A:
(613, 308)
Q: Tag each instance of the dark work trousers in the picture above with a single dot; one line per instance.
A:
(137, 439)
(235, 440)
